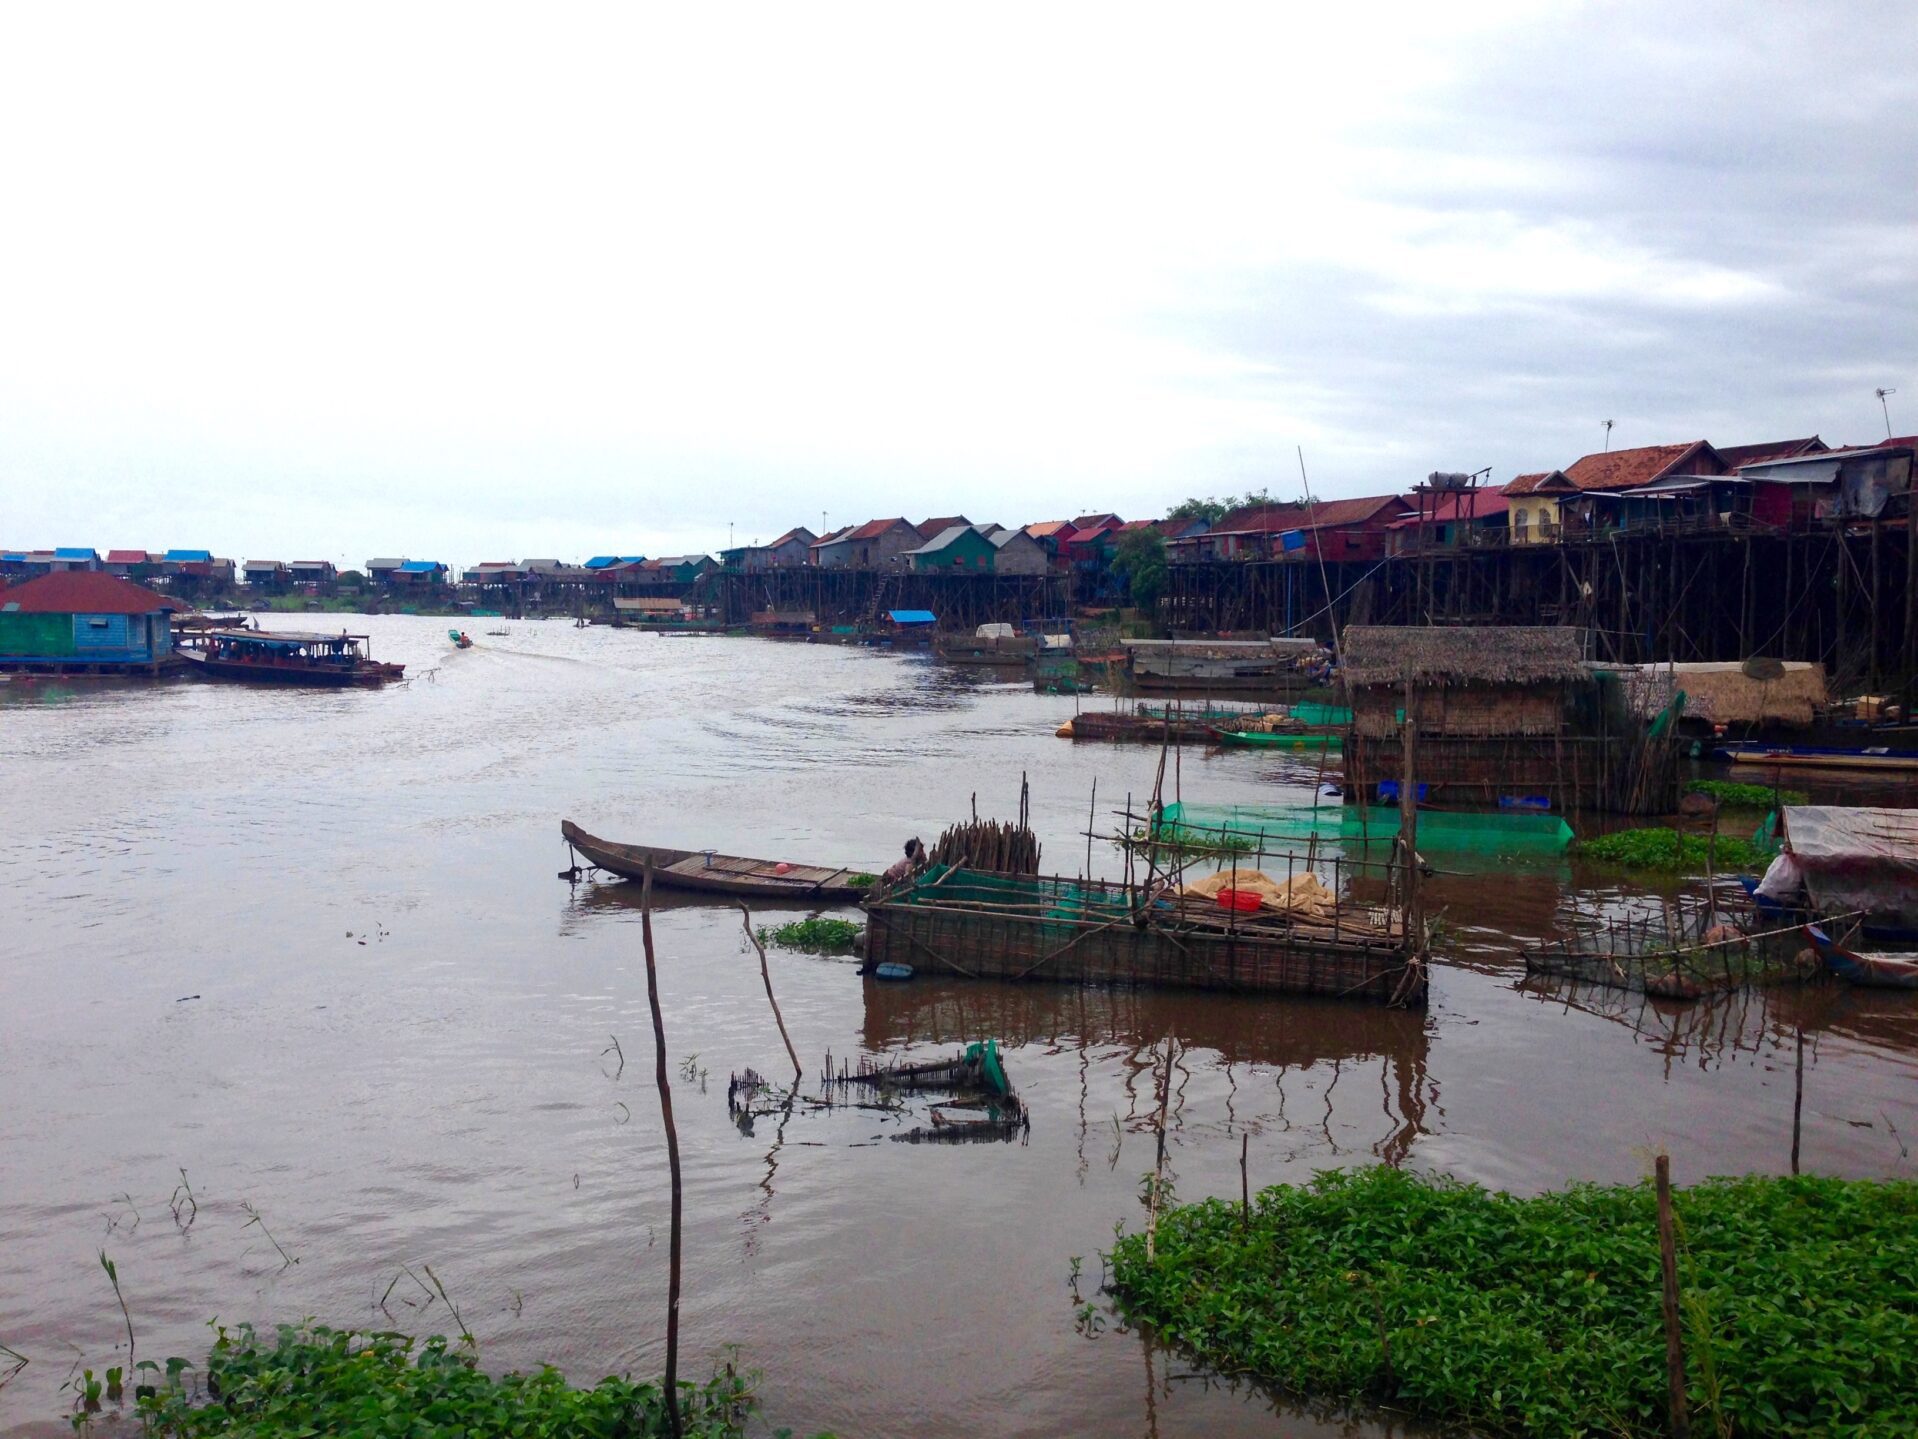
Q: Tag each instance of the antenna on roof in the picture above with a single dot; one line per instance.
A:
(1881, 392)
(1608, 434)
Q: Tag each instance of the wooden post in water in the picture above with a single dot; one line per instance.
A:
(1245, 1185)
(1158, 1163)
(671, 1380)
(1409, 816)
(1681, 1425)
(746, 916)
(1797, 1097)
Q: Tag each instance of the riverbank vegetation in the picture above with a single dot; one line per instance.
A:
(309, 1381)
(1798, 1296)
(1673, 853)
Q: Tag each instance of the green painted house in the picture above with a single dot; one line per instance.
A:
(84, 622)
(957, 550)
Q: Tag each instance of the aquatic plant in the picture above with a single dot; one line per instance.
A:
(327, 1381)
(1196, 841)
(1733, 795)
(1543, 1315)
(814, 936)
(861, 880)
(1668, 850)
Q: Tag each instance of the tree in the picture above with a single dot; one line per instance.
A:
(1214, 510)
(1140, 562)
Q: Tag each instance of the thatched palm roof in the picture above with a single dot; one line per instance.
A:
(1515, 654)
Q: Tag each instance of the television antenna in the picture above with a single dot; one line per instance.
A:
(1881, 392)
(1608, 434)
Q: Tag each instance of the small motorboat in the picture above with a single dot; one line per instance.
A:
(460, 639)
(1275, 739)
(1871, 971)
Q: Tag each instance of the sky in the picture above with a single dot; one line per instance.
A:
(468, 282)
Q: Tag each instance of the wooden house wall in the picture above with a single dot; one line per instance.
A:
(1464, 710)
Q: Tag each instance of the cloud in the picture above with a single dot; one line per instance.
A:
(466, 284)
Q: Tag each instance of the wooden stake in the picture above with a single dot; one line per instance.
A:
(1797, 1097)
(1245, 1185)
(1681, 1425)
(1158, 1163)
(672, 1154)
(746, 916)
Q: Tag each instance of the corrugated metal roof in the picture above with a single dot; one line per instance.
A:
(600, 562)
(74, 552)
(421, 567)
(188, 557)
(945, 540)
(384, 564)
(126, 557)
(912, 617)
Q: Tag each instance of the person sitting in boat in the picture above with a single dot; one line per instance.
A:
(915, 859)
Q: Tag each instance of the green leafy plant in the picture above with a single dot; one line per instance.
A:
(862, 880)
(1668, 850)
(309, 1381)
(1733, 795)
(814, 936)
(1543, 1315)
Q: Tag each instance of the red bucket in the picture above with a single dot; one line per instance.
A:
(1242, 900)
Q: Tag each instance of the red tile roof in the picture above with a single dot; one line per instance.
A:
(1297, 515)
(930, 530)
(873, 529)
(1736, 455)
(86, 592)
(126, 557)
(1546, 481)
(1628, 469)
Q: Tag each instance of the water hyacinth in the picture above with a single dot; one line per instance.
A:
(1542, 1315)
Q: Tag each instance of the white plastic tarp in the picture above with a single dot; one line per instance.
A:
(1857, 858)
(994, 632)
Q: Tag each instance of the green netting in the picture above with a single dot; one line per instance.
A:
(1277, 826)
(1045, 898)
(987, 1055)
(1328, 716)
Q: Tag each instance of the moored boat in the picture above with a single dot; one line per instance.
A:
(1276, 739)
(1869, 971)
(1865, 757)
(707, 871)
(286, 658)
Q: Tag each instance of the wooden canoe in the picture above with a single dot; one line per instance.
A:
(1261, 739)
(1873, 971)
(693, 869)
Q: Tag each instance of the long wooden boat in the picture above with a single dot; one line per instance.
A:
(285, 658)
(711, 873)
(1262, 739)
(1867, 757)
(1870, 971)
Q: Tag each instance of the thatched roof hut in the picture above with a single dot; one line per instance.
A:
(1382, 655)
(1724, 693)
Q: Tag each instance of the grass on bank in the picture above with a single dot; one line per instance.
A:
(814, 936)
(317, 1381)
(1543, 1315)
(1733, 795)
(1669, 851)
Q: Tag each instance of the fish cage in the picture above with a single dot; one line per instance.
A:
(1677, 955)
(1240, 931)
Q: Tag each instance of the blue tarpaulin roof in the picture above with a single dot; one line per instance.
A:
(422, 567)
(912, 617)
(73, 552)
(601, 562)
(188, 557)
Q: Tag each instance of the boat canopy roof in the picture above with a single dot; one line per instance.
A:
(282, 639)
(1829, 836)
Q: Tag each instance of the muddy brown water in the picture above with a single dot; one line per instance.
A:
(310, 949)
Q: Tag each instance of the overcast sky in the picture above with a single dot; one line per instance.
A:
(468, 284)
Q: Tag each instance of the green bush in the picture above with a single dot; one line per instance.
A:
(1667, 850)
(1543, 1316)
(318, 1381)
(1733, 795)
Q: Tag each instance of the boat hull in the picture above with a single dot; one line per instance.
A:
(369, 673)
(1869, 971)
(686, 869)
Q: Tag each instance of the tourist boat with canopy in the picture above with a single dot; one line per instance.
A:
(285, 658)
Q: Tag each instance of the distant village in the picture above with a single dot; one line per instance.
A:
(1777, 485)
(1645, 537)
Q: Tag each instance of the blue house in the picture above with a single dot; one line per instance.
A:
(84, 622)
(72, 557)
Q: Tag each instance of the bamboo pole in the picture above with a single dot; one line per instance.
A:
(672, 1154)
(765, 974)
(1679, 1414)
(1797, 1097)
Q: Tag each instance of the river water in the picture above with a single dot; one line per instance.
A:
(311, 950)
